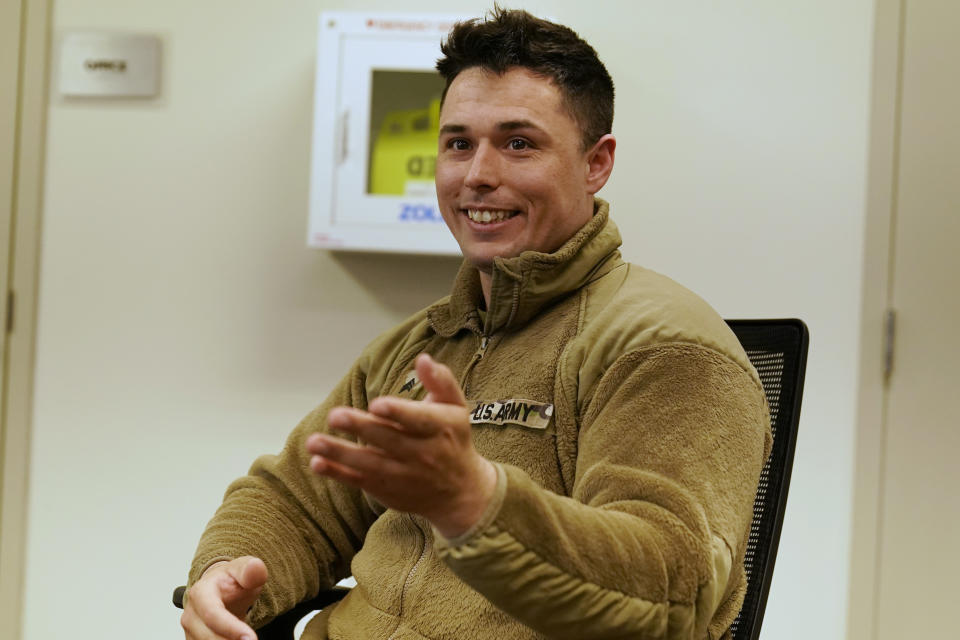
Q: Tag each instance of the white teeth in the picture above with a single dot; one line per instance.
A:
(488, 216)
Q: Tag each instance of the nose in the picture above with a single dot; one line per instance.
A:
(484, 171)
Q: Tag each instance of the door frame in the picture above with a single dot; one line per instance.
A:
(21, 256)
(882, 185)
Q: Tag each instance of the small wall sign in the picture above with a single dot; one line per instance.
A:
(109, 65)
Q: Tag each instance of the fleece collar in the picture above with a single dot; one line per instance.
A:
(523, 285)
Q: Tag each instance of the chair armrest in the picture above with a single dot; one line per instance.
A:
(178, 596)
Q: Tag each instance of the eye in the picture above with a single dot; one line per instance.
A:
(518, 144)
(458, 144)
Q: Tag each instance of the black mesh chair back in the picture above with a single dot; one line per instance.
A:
(778, 351)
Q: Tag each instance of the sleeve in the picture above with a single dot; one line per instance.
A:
(305, 528)
(650, 543)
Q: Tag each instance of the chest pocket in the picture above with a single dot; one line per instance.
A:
(521, 433)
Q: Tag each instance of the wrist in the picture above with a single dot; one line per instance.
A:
(472, 503)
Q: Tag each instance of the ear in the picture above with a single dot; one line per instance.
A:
(600, 162)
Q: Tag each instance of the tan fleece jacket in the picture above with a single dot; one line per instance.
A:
(629, 431)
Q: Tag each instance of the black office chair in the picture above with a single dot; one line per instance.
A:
(778, 351)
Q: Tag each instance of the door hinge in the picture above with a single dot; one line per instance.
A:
(889, 334)
(11, 298)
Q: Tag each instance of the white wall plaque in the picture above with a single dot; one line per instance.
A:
(109, 64)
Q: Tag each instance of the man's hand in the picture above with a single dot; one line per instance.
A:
(413, 456)
(218, 602)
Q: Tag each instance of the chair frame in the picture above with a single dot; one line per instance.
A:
(770, 507)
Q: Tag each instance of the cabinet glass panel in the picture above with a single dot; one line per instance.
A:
(390, 109)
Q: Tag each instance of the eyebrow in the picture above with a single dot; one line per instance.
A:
(510, 125)
(452, 128)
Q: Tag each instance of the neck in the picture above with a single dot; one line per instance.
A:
(486, 281)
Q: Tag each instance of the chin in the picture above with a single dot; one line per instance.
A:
(481, 262)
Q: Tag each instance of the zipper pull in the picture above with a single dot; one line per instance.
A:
(484, 342)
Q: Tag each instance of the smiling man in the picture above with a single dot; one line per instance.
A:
(514, 173)
(567, 446)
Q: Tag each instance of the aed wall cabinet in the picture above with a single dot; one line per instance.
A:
(376, 114)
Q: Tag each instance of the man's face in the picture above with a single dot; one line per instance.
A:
(511, 173)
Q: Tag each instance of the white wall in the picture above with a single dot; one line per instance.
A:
(184, 327)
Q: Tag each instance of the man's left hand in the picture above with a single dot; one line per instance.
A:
(414, 456)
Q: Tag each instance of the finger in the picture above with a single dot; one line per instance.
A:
(355, 421)
(246, 576)
(386, 435)
(422, 419)
(438, 380)
(249, 572)
(207, 617)
(359, 459)
(325, 467)
(195, 629)
(382, 414)
(240, 584)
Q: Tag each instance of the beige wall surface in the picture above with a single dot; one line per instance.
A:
(184, 327)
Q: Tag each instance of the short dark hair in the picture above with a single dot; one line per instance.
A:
(514, 38)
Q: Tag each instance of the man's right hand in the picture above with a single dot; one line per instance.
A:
(218, 602)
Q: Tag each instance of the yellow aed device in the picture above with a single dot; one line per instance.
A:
(405, 152)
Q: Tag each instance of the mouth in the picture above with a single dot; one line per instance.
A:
(488, 216)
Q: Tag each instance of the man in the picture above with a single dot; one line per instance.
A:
(567, 446)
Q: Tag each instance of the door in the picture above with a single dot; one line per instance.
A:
(10, 13)
(24, 29)
(919, 519)
(10, 537)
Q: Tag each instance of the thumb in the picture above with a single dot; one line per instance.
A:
(249, 574)
(439, 381)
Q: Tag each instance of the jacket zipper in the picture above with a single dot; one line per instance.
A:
(477, 356)
(413, 572)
